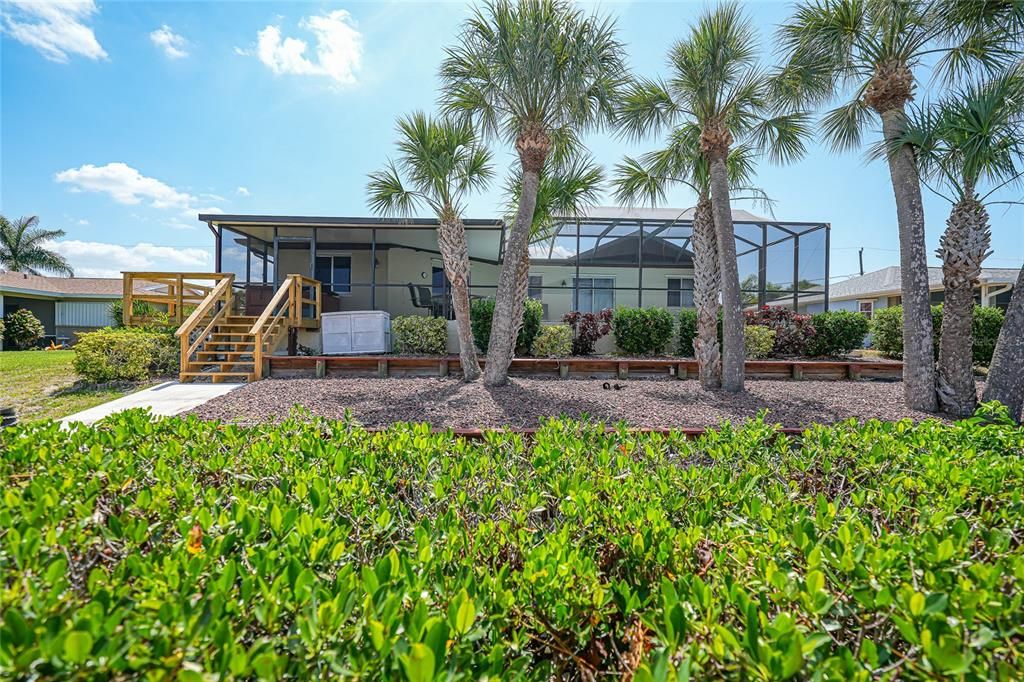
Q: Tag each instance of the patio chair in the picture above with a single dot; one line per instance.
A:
(423, 297)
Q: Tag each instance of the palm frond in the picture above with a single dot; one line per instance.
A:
(387, 196)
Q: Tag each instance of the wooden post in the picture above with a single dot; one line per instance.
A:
(443, 368)
(382, 369)
(681, 371)
(179, 298)
(257, 355)
(798, 371)
(321, 369)
(126, 298)
(623, 371)
(563, 370)
(853, 371)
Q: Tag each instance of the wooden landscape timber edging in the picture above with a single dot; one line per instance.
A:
(576, 368)
(687, 432)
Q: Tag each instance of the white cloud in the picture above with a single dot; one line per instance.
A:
(243, 191)
(56, 28)
(339, 48)
(126, 185)
(173, 45)
(100, 259)
(540, 250)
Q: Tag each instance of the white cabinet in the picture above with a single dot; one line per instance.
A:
(356, 331)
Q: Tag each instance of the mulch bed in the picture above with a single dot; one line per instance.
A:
(523, 402)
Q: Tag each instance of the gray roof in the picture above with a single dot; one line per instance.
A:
(333, 221)
(644, 213)
(886, 282)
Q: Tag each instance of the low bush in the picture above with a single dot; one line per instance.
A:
(687, 331)
(481, 312)
(553, 341)
(837, 332)
(179, 548)
(642, 331)
(758, 341)
(588, 329)
(794, 332)
(2, 326)
(420, 335)
(126, 354)
(22, 329)
(887, 331)
(156, 318)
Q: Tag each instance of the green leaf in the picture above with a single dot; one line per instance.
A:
(916, 604)
(465, 616)
(419, 663)
(77, 646)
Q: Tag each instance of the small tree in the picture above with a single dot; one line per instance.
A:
(23, 329)
(23, 248)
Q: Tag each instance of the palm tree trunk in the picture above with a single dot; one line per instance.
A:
(732, 313)
(522, 289)
(918, 352)
(962, 248)
(504, 325)
(1006, 372)
(706, 286)
(451, 241)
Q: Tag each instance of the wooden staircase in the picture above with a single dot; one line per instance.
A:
(227, 354)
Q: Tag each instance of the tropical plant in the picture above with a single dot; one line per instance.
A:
(718, 86)
(1005, 381)
(758, 341)
(22, 329)
(794, 332)
(126, 354)
(865, 53)
(441, 162)
(553, 341)
(22, 248)
(588, 329)
(537, 74)
(482, 316)
(642, 331)
(647, 180)
(837, 332)
(972, 137)
(420, 334)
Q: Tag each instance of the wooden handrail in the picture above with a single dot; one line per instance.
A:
(284, 290)
(204, 308)
(175, 291)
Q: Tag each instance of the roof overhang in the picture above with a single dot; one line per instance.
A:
(37, 293)
(238, 220)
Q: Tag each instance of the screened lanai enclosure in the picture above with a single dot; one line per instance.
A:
(607, 258)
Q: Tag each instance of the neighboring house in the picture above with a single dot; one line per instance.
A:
(609, 257)
(881, 289)
(67, 306)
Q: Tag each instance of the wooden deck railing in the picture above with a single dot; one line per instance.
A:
(213, 308)
(286, 309)
(176, 293)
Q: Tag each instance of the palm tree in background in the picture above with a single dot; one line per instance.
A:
(441, 162)
(22, 248)
(864, 53)
(717, 85)
(647, 180)
(537, 74)
(973, 137)
(563, 192)
(1005, 381)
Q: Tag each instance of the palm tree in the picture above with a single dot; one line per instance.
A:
(538, 74)
(648, 179)
(564, 191)
(972, 137)
(22, 250)
(1005, 381)
(865, 53)
(441, 161)
(718, 86)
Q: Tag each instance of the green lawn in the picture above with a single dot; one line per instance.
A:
(40, 385)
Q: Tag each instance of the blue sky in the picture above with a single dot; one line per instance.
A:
(119, 121)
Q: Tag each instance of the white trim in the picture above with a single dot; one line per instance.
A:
(330, 253)
(871, 306)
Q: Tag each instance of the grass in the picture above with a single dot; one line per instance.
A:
(43, 385)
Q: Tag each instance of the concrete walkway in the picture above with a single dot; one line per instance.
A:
(164, 399)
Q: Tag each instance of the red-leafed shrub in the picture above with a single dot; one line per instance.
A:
(587, 329)
(793, 332)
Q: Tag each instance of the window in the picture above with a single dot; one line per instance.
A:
(866, 307)
(335, 273)
(536, 291)
(680, 293)
(594, 293)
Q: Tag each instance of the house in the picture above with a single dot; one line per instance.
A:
(67, 306)
(607, 257)
(881, 289)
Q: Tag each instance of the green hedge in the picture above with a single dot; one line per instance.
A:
(687, 331)
(553, 341)
(838, 332)
(420, 335)
(180, 548)
(887, 331)
(482, 310)
(642, 331)
(126, 354)
(22, 329)
(758, 341)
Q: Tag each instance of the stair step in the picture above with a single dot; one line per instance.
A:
(208, 353)
(245, 326)
(236, 375)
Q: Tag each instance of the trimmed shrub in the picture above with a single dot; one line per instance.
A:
(553, 341)
(758, 341)
(793, 332)
(157, 319)
(22, 329)
(420, 335)
(482, 310)
(588, 329)
(2, 326)
(687, 331)
(299, 550)
(837, 332)
(126, 354)
(887, 331)
(642, 331)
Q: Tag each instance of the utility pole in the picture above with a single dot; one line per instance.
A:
(860, 257)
